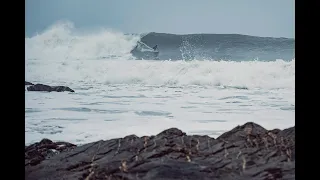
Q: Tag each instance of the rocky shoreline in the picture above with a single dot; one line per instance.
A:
(245, 152)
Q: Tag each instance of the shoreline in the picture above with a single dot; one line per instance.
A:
(246, 152)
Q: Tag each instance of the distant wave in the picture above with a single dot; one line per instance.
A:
(63, 41)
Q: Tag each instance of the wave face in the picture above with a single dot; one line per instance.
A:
(220, 46)
(63, 41)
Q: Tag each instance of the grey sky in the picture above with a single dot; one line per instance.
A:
(253, 17)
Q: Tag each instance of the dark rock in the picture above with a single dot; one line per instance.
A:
(27, 83)
(42, 87)
(246, 152)
(38, 152)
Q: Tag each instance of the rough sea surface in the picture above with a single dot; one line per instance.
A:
(202, 84)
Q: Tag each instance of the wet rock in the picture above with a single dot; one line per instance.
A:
(42, 87)
(44, 149)
(27, 83)
(246, 152)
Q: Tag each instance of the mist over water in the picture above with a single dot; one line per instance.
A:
(191, 87)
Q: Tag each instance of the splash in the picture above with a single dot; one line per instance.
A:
(63, 41)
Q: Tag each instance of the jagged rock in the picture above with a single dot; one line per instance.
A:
(246, 152)
(38, 152)
(42, 87)
(27, 83)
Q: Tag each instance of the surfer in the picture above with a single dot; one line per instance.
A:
(155, 47)
(143, 51)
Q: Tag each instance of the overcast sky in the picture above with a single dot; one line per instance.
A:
(252, 17)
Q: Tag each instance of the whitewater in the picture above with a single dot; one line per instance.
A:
(117, 95)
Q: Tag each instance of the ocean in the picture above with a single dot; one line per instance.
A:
(203, 84)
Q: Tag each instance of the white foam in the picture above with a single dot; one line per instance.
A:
(254, 74)
(106, 112)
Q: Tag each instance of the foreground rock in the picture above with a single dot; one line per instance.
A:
(38, 152)
(245, 152)
(42, 87)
